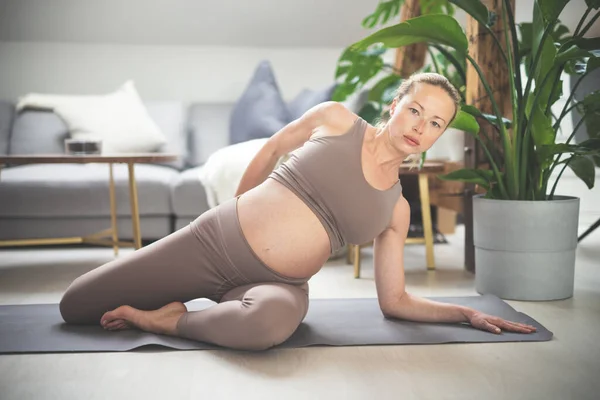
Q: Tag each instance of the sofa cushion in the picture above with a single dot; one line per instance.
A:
(188, 196)
(307, 99)
(208, 130)
(171, 118)
(7, 111)
(152, 227)
(61, 190)
(260, 111)
(118, 118)
(37, 132)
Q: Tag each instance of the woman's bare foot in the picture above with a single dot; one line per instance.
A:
(162, 321)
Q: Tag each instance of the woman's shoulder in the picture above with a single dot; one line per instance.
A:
(336, 119)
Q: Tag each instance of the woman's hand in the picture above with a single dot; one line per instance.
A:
(493, 324)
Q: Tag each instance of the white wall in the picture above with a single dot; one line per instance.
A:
(183, 49)
(200, 73)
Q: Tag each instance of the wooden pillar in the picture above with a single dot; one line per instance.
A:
(484, 51)
(410, 58)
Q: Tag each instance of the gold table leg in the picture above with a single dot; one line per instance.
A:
(95, 238)
(113, 210)
(356, 256)
(427, 224)
(135, 216)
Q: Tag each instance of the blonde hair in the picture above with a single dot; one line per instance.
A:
(430, 78)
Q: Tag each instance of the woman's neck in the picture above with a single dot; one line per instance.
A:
(386, 156)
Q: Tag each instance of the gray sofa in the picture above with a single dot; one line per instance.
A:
(58, 200)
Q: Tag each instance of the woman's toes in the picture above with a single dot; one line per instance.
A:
(122, 313)
(116, 324)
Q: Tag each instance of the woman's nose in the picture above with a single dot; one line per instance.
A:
(418, 127)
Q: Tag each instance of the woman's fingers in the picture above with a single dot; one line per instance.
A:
(490, 327)
(516, 327)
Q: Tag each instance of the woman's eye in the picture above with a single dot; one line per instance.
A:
(414, 111)
(436, 124)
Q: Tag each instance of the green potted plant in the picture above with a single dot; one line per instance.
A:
(525, 234)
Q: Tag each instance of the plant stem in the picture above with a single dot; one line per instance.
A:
(589, 9)
(551, 195)
(459, 68)
(435, 63)
(557, 123)
(494, 167)
(557, 161)
(511, 80)
(571, 95)
(554, 85)
(524, 131)
(507, 146)
(515, 50)
(527, 130)
(589, 25)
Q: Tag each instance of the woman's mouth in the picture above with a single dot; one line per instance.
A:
(411, 141)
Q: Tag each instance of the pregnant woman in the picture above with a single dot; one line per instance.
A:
(254, 254)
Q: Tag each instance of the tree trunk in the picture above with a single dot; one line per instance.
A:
(410, 58)
(484, 51)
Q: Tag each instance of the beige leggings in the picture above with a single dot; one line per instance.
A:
(257, 307)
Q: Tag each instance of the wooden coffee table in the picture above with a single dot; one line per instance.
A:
(429, 168)
(99, 237)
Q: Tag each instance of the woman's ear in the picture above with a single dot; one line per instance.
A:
(393, 106)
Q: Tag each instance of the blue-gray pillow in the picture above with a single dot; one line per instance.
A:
(307, 99)
(260, 111)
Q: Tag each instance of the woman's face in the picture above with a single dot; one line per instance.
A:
(420, 118)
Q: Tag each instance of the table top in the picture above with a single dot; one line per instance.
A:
(405, 169)
(89, 158)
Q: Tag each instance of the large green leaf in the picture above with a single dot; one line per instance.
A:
(474, 111)
(545, 67)
(384, 11)
(544, 13)
(377, 91)
(572, 52)
(358, 67)
(541, 127)
(588, 43)
(592, 144)
(591, 109)
(583, 167)
(475, 9)
(595, 4)
(482, 177)
(436, 28)
(548, 151)
(551, 9)
(370, 112)
(436, 7)
(465, 122)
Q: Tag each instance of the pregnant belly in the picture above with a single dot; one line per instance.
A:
(283, 232)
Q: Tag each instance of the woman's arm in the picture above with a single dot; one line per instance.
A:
(389, 277)
(396, 303)
(287, 139)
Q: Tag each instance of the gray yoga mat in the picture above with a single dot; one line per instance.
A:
(331, 322)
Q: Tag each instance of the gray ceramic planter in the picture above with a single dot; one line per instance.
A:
(525, 250)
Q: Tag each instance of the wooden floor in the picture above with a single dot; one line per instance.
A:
(564, 368)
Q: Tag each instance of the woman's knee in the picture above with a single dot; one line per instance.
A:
(271, 322)
(72, 305)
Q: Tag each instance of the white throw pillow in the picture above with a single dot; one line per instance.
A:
(222, 173)
(119, 118)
